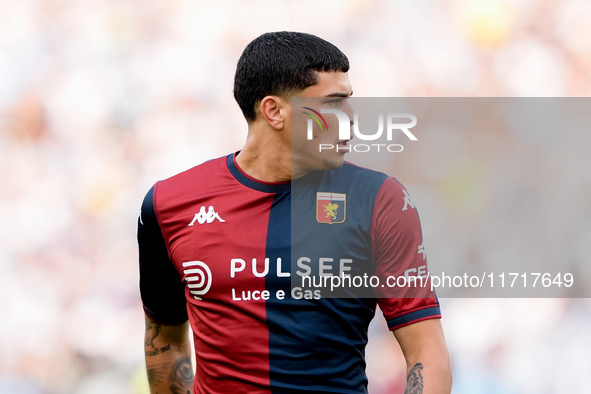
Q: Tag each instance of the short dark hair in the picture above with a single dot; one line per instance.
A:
(282, 62)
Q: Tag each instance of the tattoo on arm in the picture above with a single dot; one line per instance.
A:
(152, 331)
(157, 351)
(414, 382)
(157, 373)
(181, 377)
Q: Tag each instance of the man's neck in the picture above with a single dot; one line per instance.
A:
(267, 160)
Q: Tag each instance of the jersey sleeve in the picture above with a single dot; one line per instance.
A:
(161, 288)
(399, 254)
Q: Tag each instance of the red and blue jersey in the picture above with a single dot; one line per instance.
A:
(225, 250)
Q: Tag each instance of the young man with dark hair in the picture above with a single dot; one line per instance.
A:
(216, 249)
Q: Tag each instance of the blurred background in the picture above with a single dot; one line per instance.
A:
(100, 99)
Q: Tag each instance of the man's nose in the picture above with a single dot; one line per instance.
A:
(348, 109)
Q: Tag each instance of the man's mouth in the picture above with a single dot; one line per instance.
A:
(343, 147)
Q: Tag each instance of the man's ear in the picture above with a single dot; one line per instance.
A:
(272, 110)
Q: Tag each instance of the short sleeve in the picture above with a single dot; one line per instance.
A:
(399, 254)
(161, 288)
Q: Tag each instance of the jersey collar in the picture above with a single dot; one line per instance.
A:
(248, 181)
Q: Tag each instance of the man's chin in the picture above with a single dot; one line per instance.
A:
(333, 164)
(318, 164)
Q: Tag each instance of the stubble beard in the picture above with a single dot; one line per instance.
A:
(332, 164)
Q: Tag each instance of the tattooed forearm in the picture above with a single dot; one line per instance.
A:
(158, 351)
(414, 382)
(157, 373)
(178, 376)
(152, 331)
(181, 377)
(168, 358)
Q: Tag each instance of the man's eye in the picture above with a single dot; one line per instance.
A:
(335, 102)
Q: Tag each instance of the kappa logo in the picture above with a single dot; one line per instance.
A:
(421, 249)
(407, 201)
(206, 217)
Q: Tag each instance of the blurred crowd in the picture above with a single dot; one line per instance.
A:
(100, 99)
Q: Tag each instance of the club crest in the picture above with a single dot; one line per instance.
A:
(331, 208)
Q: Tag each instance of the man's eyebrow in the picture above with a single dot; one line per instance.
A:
(338, 94)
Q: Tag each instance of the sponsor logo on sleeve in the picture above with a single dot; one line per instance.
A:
(407, 201)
